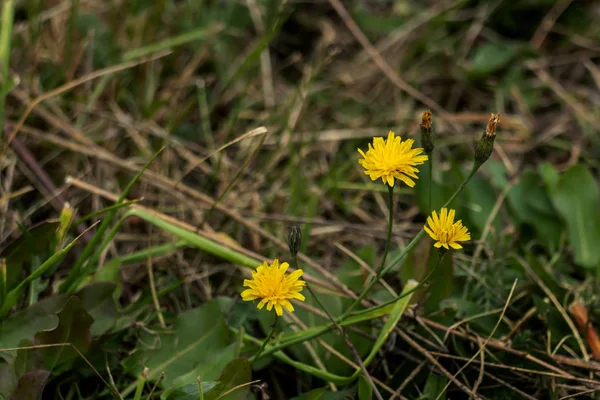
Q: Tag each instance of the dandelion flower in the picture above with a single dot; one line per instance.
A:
(445, 230)
(392, 159)
(275, 289)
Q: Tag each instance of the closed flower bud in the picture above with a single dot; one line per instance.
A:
(485, 145)
(294, 239)
(427, 137)
(66, 217)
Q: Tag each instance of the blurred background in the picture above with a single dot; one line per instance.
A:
(261, 105)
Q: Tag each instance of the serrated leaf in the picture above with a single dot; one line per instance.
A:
(74, 324)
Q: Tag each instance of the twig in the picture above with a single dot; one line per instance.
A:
(548, 22)
(383, 65)
(512, 290)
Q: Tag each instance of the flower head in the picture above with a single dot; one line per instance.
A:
(392, 158)
(445, 230)
(273, 287)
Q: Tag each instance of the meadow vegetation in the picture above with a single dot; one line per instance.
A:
(309, 199)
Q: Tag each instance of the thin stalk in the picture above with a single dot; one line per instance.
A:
(343, 333)
(404, 252)
(267, 340)
(390, 226)
(430, 170)
(5, 39)
(372, 283)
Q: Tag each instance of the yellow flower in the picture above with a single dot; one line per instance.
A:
(445, 230)
(273, 287)
(392, 158)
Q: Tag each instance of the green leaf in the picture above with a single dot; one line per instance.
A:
(236, 373)
(30, 386)
(13, 296)
(531, 205)
(434, 386)
(100, 303)
(25, 324)
(73, 327)
(315, 394)
(21, 251)
(365, 390)
(490, 57)
(191, 391)
(27, 359)
(199, 344)
(577, 199)
(482, 199)
(393, 319)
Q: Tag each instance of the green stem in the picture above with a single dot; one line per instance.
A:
(390, 226)
(341, 331)
(430, 156)
(267, 340)
(405, 251)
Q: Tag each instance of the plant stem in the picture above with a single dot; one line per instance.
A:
(430, 156)
(343, 333)
(404, 252)
(390, 226)
(267, 340)
(8, 9)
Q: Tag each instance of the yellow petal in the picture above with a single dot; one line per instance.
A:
(278, 309)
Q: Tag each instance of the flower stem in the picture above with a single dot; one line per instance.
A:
(363, 294)
(267, 340)
(430, 156)
(383, 270)
(343, 333)
(390, 226)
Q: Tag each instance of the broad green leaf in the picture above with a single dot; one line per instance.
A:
(27, 359)
(25, 324)
(236, 373)
(73, 327)
(577, 199)
(490, 57)
(199, 344)
(315, 394)
(365, 390)
(531, 205)
(482, 199)
(100, 303)
(325, 394)
(30, 386)
(191, 391)
(434, 386)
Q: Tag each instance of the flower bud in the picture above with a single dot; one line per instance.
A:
(294, 239)
(485, 145)
(66, 217)
(427, 138)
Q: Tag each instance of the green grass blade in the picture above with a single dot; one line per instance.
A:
(13, 296)
(170, 43)
(8, 10)
(114, 207)
(76, 275)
